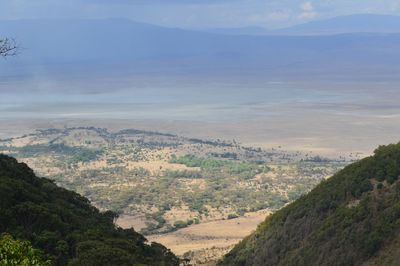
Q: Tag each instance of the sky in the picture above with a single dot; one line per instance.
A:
(198, 13)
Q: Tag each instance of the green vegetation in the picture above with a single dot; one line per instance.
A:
(348, 219)
(64, 225)
(72, 155)
(20, 253)
(182, 224)
(232, 216)
(246, 170)
(193, 161)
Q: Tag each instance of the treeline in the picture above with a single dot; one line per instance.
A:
(72, 155)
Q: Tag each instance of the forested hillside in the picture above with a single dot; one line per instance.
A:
(352, 218)
(65, 226)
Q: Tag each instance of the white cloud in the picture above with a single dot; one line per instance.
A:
(307, 10)
(307, 7)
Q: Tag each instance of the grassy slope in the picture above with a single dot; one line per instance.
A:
(65, 226)
(352, 218)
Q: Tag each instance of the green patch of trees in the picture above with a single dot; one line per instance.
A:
(248, 169)
(71, 154)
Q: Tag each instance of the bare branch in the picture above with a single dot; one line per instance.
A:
(8, 47)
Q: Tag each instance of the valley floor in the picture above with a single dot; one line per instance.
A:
(208, 242)
(198, 197)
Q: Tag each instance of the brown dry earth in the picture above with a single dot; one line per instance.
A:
(212, 236)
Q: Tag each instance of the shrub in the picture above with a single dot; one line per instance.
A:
(232, 216)
(19, 253)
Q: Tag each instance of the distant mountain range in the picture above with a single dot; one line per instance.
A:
(363, 23)
(118, 45)
(360, 23)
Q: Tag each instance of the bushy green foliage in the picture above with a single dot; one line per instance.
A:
(232, 216)
(65, 225)
(180, 224)
(345, 220)
(233, 167)
(20, 253)
(193, 161)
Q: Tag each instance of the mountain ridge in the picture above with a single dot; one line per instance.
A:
(122, 46)
(355, 23)
(352, 218)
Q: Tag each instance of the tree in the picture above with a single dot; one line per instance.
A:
(19, 253)
(8, 47)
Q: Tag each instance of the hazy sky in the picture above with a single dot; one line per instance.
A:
(198, 13)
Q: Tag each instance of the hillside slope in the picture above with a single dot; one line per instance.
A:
(352, 218)
(65, 226)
